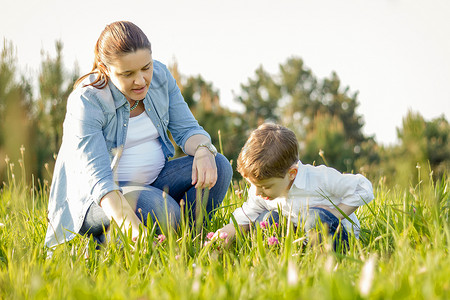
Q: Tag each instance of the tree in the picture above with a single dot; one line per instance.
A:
(437, 133)
(306, 99)
(301, 102)
(328, 135)
(203, 100)
(412, 151)
(260, 97)
(55, 85)
(15, 113)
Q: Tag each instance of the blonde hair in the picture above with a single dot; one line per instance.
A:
(269, 152)
(116, 39)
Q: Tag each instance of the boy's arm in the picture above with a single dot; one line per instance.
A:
(243, 215)
(354, 190)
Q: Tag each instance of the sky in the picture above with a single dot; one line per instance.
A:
(394, 53)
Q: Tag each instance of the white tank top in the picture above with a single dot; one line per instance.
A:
(142, 158)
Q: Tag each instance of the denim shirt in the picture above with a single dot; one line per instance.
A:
(94, 132)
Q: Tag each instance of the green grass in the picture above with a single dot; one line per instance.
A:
(403, 253)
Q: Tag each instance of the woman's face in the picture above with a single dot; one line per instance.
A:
(132, 73)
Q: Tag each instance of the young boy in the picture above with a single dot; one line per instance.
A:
(279, 181)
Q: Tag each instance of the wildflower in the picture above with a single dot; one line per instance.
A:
(223, 235)
(263, 224)
(367, 275)
(276, 224)
(177, 257)
(210, 235)
(206, 243)
(161, 238)
(1, 224)
(239, 193)
(272, 241)
(292, 276)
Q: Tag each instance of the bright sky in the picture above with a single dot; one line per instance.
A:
(396, 53)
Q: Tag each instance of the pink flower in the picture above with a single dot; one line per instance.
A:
(161, 238)
(223, 235)
(272, 241)
(210, 235)
(263, 224)
(276, 224)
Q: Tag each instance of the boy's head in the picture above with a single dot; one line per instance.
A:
(270, 153)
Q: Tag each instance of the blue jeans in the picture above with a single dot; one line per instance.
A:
(175, 178)
(314, 217)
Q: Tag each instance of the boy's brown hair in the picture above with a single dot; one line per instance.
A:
(269, 152)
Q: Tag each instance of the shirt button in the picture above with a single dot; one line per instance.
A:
(125, 124)
(149, 109)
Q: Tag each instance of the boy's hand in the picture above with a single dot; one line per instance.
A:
(226, 233)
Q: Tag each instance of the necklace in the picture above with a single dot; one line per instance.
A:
(136, 103)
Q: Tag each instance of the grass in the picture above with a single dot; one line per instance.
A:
(403, 253)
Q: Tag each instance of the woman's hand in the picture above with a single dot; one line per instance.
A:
(117, 207)
(204, 169)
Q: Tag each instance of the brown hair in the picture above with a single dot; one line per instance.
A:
(269, 152)
(116, 39)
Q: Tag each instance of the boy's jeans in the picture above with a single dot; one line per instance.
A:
(176, 178)
(314, 217)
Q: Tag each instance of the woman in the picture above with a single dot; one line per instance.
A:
(113, 161)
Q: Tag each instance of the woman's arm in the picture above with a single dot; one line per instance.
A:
(204, 169)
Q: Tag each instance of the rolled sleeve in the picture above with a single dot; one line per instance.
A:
(249, 211)
(354, 189)
(85, 120)
(95, 163)
(363, 193)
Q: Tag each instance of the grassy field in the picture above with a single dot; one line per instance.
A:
(403, 253)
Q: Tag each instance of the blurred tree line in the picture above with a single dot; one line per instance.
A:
(321, 112)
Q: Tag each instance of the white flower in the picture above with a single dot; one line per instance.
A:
(292, 276)
(367, 274)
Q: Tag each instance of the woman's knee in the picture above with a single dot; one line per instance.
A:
(95, 221)
(224, 168)
(163, 210)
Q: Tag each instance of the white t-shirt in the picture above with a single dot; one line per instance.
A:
(314, 185)
(142, 158)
